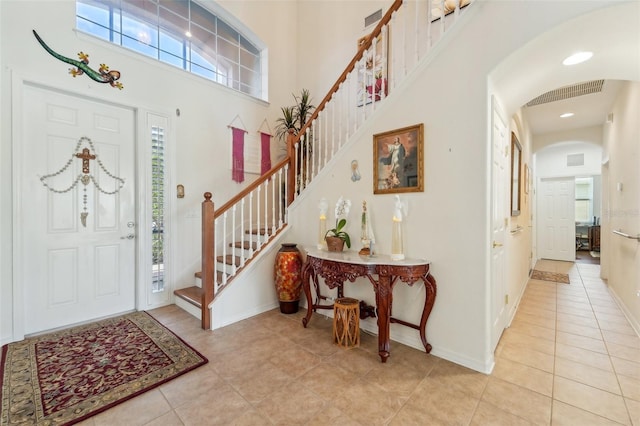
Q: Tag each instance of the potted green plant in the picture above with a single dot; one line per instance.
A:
(336, 237)
(294, 117)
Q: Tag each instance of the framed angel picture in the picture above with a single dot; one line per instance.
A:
(398, 160)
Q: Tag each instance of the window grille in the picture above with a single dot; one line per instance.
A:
(181, 33)
(157, 208)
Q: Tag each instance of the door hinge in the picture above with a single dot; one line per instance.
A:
(506, 299)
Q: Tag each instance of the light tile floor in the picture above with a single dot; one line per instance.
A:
(569, 358)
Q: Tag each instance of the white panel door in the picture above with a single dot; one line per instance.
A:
(76, 270)
(499, 209)
(556, 215)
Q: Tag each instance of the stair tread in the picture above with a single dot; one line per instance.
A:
(229, 259)
(261, 231)
(192, 295)
(246, 245)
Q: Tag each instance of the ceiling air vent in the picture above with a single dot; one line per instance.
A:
(373, 18)
(568, 92)
(575, 160)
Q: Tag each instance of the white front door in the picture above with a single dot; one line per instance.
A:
(78, 234)
(556, 216)
(499, 209)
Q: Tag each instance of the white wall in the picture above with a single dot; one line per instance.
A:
(202, 143)
(621, 208)
(552, 160)
(448, 222)
(520, 237)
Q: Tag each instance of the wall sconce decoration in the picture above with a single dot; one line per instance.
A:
(103, 75)
(355, 173)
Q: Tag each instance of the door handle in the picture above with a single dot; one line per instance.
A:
(497, 244)
(128, 237)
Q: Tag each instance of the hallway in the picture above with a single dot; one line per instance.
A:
(569, 358)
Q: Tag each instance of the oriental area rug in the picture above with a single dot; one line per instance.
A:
(67, 376)
(550, 276)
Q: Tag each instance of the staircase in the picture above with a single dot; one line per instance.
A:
(248, 223)
(224, 266)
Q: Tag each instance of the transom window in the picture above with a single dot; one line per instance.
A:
(178, 32)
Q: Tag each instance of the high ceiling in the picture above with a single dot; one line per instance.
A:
(589, 110)
(612, 33)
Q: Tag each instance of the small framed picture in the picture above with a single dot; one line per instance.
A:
(398, 160)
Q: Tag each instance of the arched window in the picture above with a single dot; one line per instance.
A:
(181, 33)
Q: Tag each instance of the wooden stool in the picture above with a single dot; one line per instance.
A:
(346, 322)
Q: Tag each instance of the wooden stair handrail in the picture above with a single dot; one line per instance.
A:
(265, 177)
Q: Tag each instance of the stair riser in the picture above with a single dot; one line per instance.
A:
(188, 307)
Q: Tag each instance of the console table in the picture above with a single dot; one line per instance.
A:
(338, 267)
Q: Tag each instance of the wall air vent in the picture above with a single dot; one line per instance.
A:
(568, 92)
(575, 160)
(373, 18)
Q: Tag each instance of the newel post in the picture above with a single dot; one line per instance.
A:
(291, 175)
(208, 259)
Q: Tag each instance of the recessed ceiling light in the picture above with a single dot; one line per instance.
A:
(188, 34)
(577, 58)
(566, 114)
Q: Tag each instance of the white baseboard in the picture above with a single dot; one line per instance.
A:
(632, 321)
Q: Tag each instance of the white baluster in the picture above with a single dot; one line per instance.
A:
(374, 49)
(404, 43)
(280, 200)
(242, 221)
(258, 230)
(362, 75)
(296, 167)
(339, 102)
(216, 284)
(308, 156)
(224, 248)
(316, 131)
(266, 210)
(286, 193)
(233, 238)
(273, 183)
(251, 223)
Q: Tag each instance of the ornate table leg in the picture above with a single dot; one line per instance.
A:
(429, 299)
(306, 286)
(383, 303)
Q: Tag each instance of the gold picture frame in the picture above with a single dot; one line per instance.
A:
(398, 160)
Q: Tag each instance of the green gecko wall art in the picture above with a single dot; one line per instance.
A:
(103, 75)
